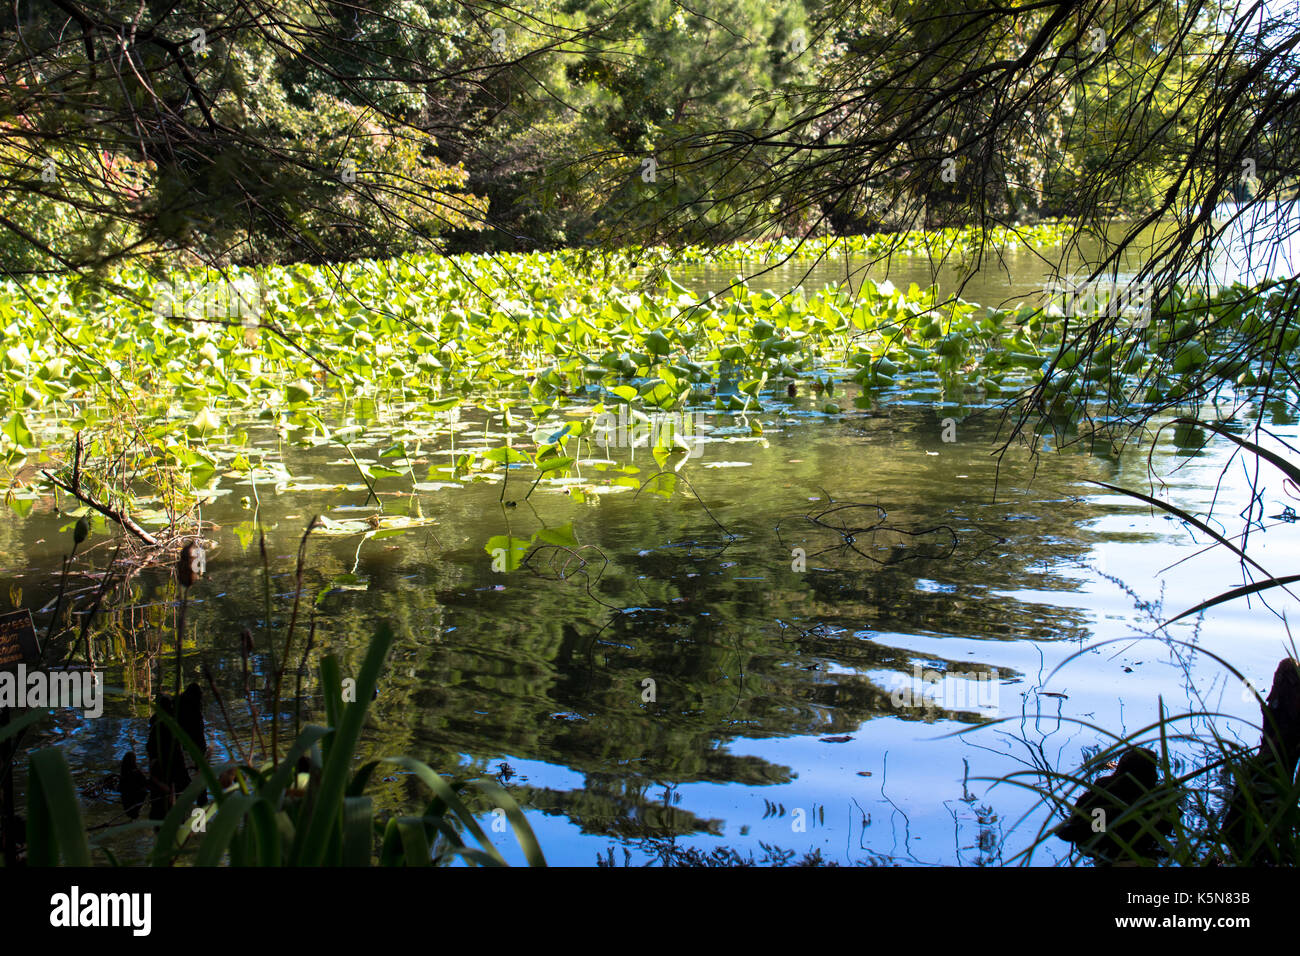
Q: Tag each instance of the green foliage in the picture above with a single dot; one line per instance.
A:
(322, 134)
(659, 73)
(283, 815)
(1192, 346)
(300, 136)
(196, 356)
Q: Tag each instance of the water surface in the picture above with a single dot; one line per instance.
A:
(781, 610)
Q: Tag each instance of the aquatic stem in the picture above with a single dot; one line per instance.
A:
(288, 640)
(362, 472)
(58, 601)
(302, 666)
(253, 484)
(216, 694)
(180, 637)
(94, 607)
(246, 645)
(266, 593)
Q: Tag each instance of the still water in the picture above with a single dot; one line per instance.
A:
(835, 602)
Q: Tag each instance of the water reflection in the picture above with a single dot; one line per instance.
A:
(777, 614)
(908, 564)
(1254, 243)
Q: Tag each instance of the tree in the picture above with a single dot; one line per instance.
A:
(659, 74)
(1140, 118)
(246, 130)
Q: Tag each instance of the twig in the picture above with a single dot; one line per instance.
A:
(94, 608)
(288, 640)
(246, 645)
(180, 637)
(302, 666)
(120, 517)
(207, 675)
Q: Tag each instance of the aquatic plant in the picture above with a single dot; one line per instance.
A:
(1218, 801)
(1208, 800)
(160, 376)
(308, 809)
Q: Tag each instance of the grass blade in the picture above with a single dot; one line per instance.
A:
(170, 840)
(56, 831)
(1235, 593)
(18, 724)
(327, 812)
(358, 830)
(523, 832)
(1276, 460)
(223, 827)
(443, 790)
(1184, 516)
(415, 841)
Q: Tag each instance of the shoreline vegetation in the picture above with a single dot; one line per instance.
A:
(436, 348)
(447, 245)
(133, 395)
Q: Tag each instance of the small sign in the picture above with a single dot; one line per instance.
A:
(18, 643)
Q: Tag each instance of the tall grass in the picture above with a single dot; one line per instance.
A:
(1230, 804)
(308, 809)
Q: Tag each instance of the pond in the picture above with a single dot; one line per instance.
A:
(779, 655)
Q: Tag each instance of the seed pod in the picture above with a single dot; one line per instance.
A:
(82, 531)
(192, 564)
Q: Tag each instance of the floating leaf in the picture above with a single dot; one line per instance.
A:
(206, 421)
(507, 552)
(300, 391)
(16, 430)
(554, 464)
(562, 537)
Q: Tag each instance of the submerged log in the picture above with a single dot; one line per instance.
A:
(1264, 796)
(1122, 816)
(167, 773)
